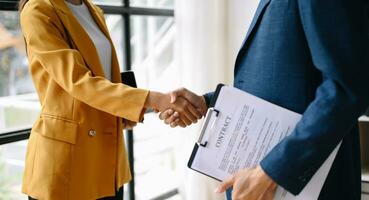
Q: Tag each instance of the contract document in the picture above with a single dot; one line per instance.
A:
(239, 131)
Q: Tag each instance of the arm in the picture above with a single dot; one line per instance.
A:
(47, 48)
(338, 37)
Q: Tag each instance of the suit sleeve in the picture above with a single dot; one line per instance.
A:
(47, 48)
(338, 38)
(208, 98)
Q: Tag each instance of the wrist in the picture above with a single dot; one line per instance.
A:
(152, 100)
(203, 101)
(265, 176)
(206, 99)
(203, 104)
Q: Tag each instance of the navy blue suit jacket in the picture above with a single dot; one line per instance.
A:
(312, 57)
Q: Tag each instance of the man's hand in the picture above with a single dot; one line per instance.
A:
(171, 117)
(194, 99)
(252, 183)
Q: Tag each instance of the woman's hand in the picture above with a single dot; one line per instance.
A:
(188, 114)
(251, 183)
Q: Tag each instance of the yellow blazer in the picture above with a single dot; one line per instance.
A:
(76, 148)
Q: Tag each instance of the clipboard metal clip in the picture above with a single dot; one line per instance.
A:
(216, 112)
(204, 127)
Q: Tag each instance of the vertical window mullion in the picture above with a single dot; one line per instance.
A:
(127, 67)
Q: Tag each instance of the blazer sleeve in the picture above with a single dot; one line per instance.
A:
(47, 48)
(101, 11)
(338, 38)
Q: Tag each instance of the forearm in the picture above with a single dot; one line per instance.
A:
(339, 100)
(154, 100)
(324, 124)
(50, 52)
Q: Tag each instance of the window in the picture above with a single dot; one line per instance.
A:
(18, 103)
(143, 35)
(153, 3)
(152, 44)
(109, 2)
(11, 170)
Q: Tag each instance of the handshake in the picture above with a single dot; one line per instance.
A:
(177, 108)
(180, 107)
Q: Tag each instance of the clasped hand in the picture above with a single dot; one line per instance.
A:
(180, 107)
(186, 108)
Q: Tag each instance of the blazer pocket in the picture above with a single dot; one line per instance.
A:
(57, 128)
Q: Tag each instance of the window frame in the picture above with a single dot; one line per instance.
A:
(126, 11)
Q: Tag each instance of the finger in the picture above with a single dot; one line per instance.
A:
(175, 123)
(182, 107)
(183, 92)
(166, 114)
(181, 124)
(185, 119)
(187, 113)
(187, 94)
(190, 116)
(202, 111)
(173, 96)
(225, 184)
(180, 92)
(194, 111)
(172, 118)
(155, 110)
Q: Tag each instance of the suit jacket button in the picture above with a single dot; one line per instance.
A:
(92, 133)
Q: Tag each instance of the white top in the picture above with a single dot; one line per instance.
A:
(102, 44)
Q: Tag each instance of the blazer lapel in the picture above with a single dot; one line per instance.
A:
(82, 40)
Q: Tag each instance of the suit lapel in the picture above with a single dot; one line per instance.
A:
(82, 40)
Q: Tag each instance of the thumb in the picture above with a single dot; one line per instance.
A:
(225, 184)
(173, 97)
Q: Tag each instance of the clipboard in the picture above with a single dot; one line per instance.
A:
(202, 142)
(246, 141)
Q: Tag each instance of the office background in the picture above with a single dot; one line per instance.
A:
(169, 44)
